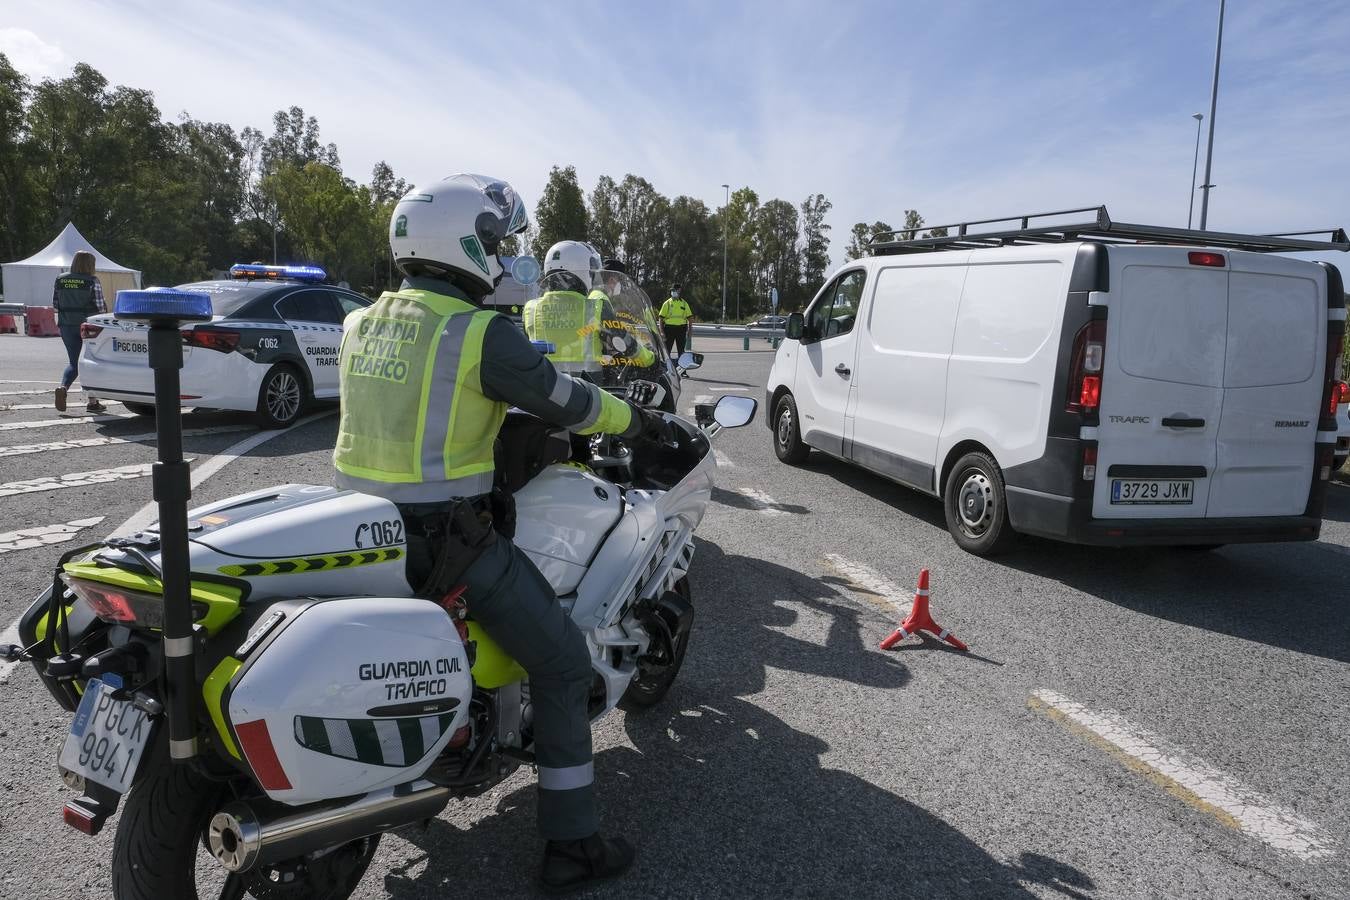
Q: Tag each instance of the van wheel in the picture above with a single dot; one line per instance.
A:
(977, 506)
(281, 398)
(787, 436)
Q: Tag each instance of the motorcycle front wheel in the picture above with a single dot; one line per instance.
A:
(160, 851)
(654, 677)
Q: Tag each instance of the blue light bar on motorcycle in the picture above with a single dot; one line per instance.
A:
(252, 272)
(163, 304)
(548, 348)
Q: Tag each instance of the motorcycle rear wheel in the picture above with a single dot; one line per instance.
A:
(652, 682)
(159, 851)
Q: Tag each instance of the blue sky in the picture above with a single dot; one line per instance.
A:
(964, 109)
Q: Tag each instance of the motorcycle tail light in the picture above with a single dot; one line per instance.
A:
(117, 604)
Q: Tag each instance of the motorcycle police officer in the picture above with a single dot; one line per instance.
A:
(426, 380)
(570, 313)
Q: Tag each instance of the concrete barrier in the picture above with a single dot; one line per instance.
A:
(42, 322)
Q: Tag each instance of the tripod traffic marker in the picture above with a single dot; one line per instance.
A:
(919, 619)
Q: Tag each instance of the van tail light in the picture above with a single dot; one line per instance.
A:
(89, 331)
(1205, 258)
(1331, 392)
(223, 341)
(1090, 462)
(1338, 396)
(1085, 369)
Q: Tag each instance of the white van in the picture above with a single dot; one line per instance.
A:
(1087, 383)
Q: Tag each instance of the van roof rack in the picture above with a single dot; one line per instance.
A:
(1100, 228)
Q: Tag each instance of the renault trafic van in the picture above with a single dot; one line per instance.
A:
(1099, 384)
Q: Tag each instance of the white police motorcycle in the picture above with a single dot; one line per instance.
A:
(257, 679)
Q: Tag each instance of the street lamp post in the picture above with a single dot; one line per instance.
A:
(1213, 105)
(1190, 206)
(724, 253)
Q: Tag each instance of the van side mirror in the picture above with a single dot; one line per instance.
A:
(795, 325)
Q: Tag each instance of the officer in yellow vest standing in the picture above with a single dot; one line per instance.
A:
(570, 313)
(675, 315)
(426, 380)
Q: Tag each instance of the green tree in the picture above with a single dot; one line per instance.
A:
(606, 229)
(860, 238)
(778, 261)
(330, 219)
(561, 212)
(913, 222)
(16, 194)
(815, 245)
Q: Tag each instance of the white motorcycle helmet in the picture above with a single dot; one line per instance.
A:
(454, 228)
(575, 258)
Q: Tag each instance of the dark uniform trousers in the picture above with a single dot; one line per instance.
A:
(516, 606)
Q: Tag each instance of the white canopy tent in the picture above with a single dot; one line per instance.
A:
(29, 281)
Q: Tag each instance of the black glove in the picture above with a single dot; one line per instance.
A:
(655, 428)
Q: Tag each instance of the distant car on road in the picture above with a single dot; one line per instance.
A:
(270, 348)
(778, 322)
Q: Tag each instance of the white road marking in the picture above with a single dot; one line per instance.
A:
(729, 387)
(874, 588)
(16, 407)
(74, 479)
(761, 502)
(150, 511)
(145, 515)
(27, 538)
(723, 461)
(1192, 780)
(71, 420)
(26, 381)
(73, 390)
(80, 443)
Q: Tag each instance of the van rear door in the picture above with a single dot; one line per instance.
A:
(1274, 374)
(1162, 386)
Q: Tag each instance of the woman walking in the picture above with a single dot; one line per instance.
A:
(76, 296)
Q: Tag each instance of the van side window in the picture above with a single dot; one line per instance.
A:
(836, 308)
(844, 305)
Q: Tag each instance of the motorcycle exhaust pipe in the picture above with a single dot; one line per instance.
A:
(243, 836)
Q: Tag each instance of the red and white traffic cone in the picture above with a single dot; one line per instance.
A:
(919, 619)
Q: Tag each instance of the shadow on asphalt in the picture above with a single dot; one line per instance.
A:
(918, 506)
(1286, 595)
(741, 501)
(1338, 502)
(724, 799)
(1291, 595)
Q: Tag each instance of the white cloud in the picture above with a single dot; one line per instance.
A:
(30, 54)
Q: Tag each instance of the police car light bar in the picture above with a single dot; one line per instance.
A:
(162, 304)
(278, 273)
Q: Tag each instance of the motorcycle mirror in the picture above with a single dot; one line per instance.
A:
(733, 412)
(647, 394)
(690, 360)
(525, 270)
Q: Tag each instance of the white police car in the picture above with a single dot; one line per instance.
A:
(271, 346)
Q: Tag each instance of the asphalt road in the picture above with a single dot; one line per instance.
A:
(1133, 723)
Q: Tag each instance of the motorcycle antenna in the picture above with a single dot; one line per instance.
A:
(165, 310)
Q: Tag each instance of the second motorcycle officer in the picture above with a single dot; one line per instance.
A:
(426, 380)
